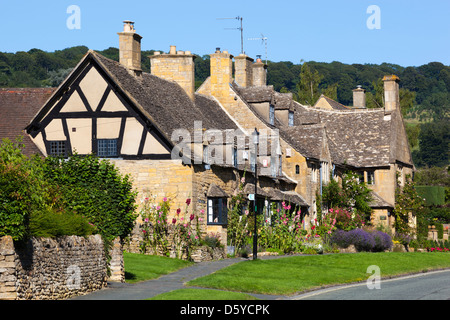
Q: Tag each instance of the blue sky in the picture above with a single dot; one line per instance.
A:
(411, 32)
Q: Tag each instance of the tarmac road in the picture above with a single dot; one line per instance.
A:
(432, 285)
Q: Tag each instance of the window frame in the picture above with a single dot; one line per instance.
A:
(221, 206)
(370, 177)
(291, 119)
(58, 145)
(109, 147)
(272, 114)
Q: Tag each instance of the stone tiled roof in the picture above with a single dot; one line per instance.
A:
(308, 140)
(378, 202)
(17, 108)
(165, 102)
(363, 138)
(333, 104)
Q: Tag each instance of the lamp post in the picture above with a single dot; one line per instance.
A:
(255, 231)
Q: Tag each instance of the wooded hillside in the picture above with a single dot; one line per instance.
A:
(424, 94)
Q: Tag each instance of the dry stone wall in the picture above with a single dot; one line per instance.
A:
(51, 269)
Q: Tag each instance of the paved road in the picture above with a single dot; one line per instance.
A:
(433, 285)
(166, 283)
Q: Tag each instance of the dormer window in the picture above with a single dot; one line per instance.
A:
(271, 114)
(291, 119)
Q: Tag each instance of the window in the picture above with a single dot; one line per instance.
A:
(280, 167)
(297, 169)
(217, 211)
(371, 177)
(272, 114)
(235, 157)
(291, 118)
(58, 148)
(273, 166)
(325, 172)
(360, 175)
(107, 147)
(314, 172)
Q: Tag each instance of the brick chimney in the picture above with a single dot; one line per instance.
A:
(221, 73)
(175, 66)
(259, 73)
(359, 97)
(391, 93)
(243, 74)
(130, 48)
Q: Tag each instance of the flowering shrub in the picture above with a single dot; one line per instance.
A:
(181, 233)
(347, 219)
(212, 240)
(284, 233)
(363, 240)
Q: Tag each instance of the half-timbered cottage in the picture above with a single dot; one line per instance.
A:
(155, 128)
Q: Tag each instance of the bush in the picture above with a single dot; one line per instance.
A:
(52, 197)
(95, 189)
(212, 240)
(374, 241)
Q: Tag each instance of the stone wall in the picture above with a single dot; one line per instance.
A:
(51, 269)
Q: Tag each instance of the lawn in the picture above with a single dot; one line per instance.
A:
(140, 267)
(202, 294)
(287, 276)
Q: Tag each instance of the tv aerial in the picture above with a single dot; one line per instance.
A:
(239, 28)
(264, 40)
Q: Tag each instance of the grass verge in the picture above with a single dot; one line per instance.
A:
(286, 276)
(202, 294)
(140, 267)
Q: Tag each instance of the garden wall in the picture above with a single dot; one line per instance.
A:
(44, 268)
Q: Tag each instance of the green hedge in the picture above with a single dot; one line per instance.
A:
(52, 197)
(434, 195)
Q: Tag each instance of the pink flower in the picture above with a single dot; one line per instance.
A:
(178, 211)
(165, 199)
(191, 217)
(188, 201)
(146, 219)
(174, 220)
(144, 231)
(202, 211)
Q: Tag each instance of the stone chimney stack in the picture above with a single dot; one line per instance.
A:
(391, 93)
(259, 73)
(359, 97)
(175, 66)
(243, 74)
(221, 73)
(130, 48)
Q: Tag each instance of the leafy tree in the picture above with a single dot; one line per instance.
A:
(308, 87)
(434, 140)
(407, 203)
(350, 194)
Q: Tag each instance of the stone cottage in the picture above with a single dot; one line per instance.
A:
(174, 142)
(180, 143)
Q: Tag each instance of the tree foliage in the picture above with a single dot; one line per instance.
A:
(52, 197)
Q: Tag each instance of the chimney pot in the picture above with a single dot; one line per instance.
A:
(173, 50)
